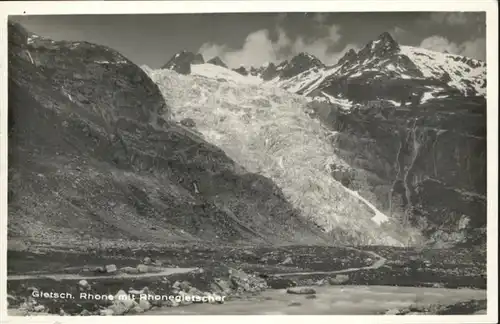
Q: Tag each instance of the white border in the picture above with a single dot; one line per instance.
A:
(156, 7)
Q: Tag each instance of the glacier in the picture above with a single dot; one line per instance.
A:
(266, 129)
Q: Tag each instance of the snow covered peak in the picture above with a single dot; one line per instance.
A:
(383, 46)
(306, 58)
(383, 69)
(382, 63)
(462, 73)
(298, 64)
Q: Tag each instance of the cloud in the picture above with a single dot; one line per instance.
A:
(209, 50)
(439, 44)
(281, 17)
(398, 32)
(320, 17)
(338, 55)
(259, 48)
(450, 18)
(472, 48)
(475, 48)
(470, 22)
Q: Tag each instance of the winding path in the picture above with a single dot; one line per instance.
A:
(377, 264)
(169, 271)
(58, 277)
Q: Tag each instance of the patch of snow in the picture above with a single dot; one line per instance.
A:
(426, 97)
(31, 58)
(391, 67)
(436, 65)
(379, 217)
(307, 81)
(374, 43)
(32, 38)
(343, 103)
(395, 103)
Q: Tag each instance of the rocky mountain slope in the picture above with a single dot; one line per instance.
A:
(94, 159)
(409, 123)
(414, 120)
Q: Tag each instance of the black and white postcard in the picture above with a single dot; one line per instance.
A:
(235, 158)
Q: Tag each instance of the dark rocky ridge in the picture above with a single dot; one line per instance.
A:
(424, 161)
(284, 70)
(375, 73)
(181, 62)
(241, 70)
(217, 61)
(424, 164)
(300, 63)
(92, 160)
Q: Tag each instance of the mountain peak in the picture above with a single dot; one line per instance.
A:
(298, 64)
(386, 37)
(384, 41)
(181, 62)
(382, 46)
(348, 56)
(217, 61)
(303, 57)
(241, 70)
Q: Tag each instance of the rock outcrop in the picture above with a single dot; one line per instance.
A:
(425, 166)
(181, 62)
(92, 158)
(217, 61)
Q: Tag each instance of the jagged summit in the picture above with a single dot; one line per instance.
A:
(217, 61)
(303, 56)
(181, 62)
(384, 45)
(348, 56)
(383, 64)
(241, 70)
(300, 63)
(386, 37)
(379, 60)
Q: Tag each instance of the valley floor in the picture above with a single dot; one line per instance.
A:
(346, 280)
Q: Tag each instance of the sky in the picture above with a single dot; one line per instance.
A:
(252, 39)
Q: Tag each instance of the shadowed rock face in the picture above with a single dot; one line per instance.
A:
(217, 61)
(284, 70)
(300, 63)
(90, 158)
(181, 62)
(241, 70)
(425, 163)
(419, 140)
